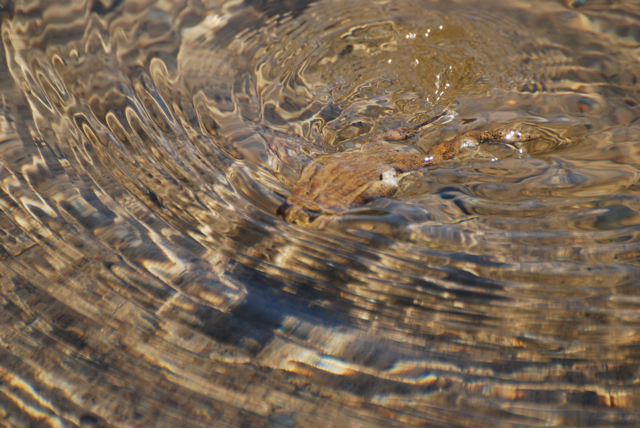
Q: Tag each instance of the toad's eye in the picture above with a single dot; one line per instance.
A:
(389, 177)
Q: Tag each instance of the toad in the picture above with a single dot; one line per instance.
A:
(331, 184)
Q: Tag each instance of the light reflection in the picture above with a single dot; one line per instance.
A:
(155, 264)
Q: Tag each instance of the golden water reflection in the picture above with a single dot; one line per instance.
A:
(145, 279)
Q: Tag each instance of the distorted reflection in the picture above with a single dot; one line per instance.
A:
(151, 276)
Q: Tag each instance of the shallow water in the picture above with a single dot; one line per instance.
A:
(145, 279)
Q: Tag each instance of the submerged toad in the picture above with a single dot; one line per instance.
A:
(333, 183)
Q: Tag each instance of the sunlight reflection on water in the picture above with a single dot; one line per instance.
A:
(145, 278)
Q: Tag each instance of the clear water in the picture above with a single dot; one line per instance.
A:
(145, 279)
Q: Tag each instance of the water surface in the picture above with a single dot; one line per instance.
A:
(145, 279)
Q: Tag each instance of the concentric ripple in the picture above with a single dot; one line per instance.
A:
(145, 279)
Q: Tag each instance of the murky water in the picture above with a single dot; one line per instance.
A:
(146, 280)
